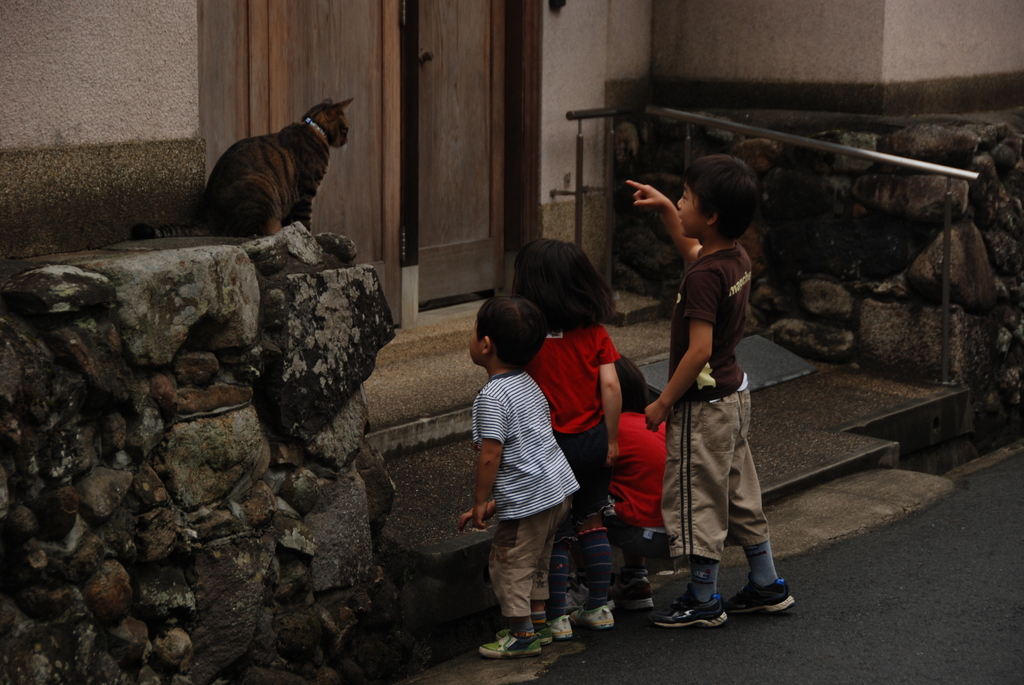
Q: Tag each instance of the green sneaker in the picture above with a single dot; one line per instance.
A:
(510, 647)
(544, 634)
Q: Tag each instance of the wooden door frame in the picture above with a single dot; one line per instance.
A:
(391, 168)
(515, 158)
(522, 121)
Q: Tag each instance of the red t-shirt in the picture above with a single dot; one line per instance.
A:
(566, 369)
(637, 476)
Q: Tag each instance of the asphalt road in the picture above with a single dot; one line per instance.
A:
(937, 597)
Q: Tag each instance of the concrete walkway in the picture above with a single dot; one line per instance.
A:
(841, 427)
(801, 524)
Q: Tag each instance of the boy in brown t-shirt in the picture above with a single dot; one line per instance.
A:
(711, 494)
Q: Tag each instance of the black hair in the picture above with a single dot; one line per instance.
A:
(633, 384)
(558, 277)
(515, 326)
(724, 184)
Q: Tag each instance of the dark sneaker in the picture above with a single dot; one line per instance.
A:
(687, 611)
(511, 646)
(754, 598)
(634, 594)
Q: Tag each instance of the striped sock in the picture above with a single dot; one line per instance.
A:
(558, 574)
(521, 629)
(539, 619)
(597, 556)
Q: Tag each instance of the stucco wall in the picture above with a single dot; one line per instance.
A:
(952, 38)
(586, 45)
(864, 56)
(97, 71)
(768, 40)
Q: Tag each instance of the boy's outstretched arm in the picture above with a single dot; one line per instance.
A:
(652, 198)
(611, 405)
(690, 366)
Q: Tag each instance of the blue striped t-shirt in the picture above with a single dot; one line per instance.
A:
(533, 474)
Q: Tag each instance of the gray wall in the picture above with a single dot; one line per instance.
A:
(874, 56)
(596, 53)
(98, 71)
(99, 121)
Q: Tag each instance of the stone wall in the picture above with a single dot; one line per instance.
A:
(186, 495)
(847, 254)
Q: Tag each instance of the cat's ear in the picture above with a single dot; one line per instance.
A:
(344, 105)
(327, 101)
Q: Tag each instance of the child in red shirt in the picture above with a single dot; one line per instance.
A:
(635, 524)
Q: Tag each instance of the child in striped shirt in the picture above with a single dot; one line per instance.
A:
(521, 465)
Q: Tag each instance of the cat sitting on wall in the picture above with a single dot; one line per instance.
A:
(265, 182)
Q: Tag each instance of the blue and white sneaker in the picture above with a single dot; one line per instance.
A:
(687, 611)
(768, 599)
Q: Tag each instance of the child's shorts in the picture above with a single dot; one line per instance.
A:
(711, 496)
(642, 542)
(521, 556)
(586, 453)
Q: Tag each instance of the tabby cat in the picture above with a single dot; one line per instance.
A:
(265, 182)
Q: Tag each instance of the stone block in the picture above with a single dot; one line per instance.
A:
(947, 145)
(873, 247)
(827, 299)
(918, 198)
(972, 280)
(341, 527)
(160, 590)
(56, 289)
(230, 585)
(337, 320)
(101, 492)
(201, 461)
(815, 340)
(790, 194)
(208, 295)
(908, 337)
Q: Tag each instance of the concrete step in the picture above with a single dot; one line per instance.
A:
(802, 435)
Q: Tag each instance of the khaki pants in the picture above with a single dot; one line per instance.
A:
(711, 495)
(521, 556)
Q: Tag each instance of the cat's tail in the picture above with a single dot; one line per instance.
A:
(147, 232)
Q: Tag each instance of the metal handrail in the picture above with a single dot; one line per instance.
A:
(821, 145)
(800, 141)
(578, 116)
(949, 172)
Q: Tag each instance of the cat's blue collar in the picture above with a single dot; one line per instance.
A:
(314, 125)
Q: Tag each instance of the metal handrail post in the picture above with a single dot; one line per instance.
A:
(609, 184)
(579, 182)
(687, 146)
(947, 234)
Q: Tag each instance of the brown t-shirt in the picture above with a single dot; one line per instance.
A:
(715, 288)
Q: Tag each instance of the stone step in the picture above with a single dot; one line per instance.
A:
(423, 386)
